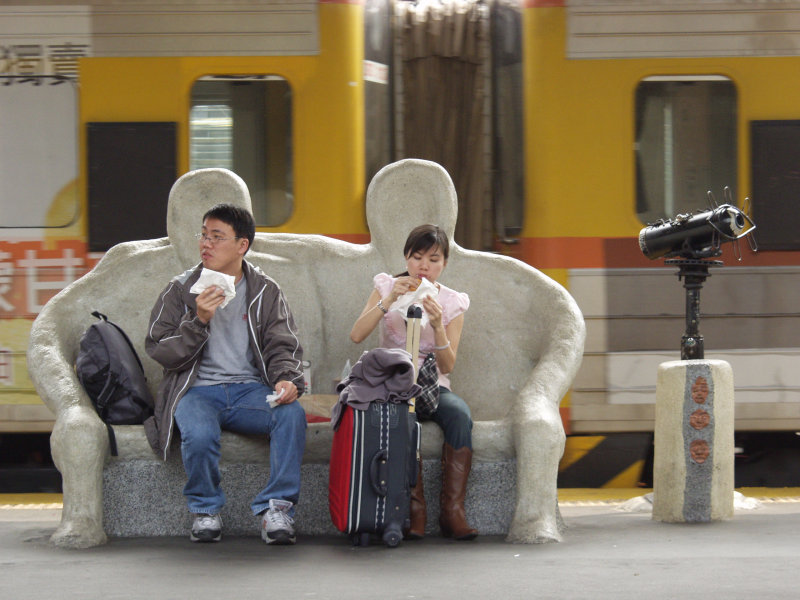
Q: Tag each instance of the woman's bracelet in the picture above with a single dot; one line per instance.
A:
(385, 310)
(447, 345)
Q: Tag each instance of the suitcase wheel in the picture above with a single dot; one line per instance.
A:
(392, 535)
(361, 539)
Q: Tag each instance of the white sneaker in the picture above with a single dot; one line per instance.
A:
(206, 528)
(277, 527)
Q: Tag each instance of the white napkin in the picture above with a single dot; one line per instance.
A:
(272, 399)
(426, 288)
(227, 283)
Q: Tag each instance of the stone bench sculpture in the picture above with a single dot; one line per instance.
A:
(520, 350)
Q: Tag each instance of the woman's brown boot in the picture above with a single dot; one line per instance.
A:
(419, 510)
(456, 465)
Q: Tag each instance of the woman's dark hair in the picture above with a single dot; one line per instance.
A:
(425, 237)
(238, 218)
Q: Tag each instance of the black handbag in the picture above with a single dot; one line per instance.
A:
(427, 400)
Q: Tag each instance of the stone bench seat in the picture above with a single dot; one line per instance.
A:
(520, 349)
(246, 458)
(492, 442)
(244, 465)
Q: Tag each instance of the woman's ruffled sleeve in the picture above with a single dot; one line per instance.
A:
(383, 283)
(456, 303)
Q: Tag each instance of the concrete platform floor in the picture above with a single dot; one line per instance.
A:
(611, 549)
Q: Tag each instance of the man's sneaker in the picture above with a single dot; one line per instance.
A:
(206, 528)
(277, 527)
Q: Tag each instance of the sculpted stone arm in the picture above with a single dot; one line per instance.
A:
(57, 385)
(79, 441)
(537, 429)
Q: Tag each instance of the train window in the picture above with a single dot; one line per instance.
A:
(243, 123)
(685, 143)
(38, 151)
(210, 128)
(120, 154)
(775, 146)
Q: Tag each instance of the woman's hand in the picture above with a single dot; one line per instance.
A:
(434, 311)
(403, 285)
(373, 311)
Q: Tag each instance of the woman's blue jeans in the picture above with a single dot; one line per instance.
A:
(202, 414)
(454, 417)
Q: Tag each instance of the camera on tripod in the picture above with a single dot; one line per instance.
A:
(695, 236)
(690, 241)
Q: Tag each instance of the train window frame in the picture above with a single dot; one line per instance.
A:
(675, 164)
(260, 142)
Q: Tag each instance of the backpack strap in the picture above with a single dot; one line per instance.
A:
(112, 440)
(105, 393)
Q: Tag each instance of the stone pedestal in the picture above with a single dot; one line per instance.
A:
(693, 462)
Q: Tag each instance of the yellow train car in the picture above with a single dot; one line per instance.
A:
(634, 111)
(568, 126)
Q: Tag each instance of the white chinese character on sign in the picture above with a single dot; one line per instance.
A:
(27, 59)
(64, 58)
(34, 265)
(6, 271)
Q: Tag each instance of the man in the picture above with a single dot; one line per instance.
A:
(220, 364)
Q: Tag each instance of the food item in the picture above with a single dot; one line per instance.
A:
(414, 286)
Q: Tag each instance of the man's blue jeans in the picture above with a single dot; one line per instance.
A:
(202, 414)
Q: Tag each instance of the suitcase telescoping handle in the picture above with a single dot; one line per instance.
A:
(413, 321)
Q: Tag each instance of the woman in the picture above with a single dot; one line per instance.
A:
(426, 252)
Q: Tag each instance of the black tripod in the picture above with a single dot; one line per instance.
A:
(694, 273)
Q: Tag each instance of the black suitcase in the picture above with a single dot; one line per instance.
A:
(373, 469)
(374, 465)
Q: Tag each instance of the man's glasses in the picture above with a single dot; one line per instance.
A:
(212, 239)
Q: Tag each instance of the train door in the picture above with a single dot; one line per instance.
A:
(459, 103)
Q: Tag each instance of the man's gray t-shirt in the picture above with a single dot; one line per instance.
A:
(228, 357)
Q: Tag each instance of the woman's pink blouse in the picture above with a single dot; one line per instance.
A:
(392, 330)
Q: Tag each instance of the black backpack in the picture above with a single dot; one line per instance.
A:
(111, 373)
